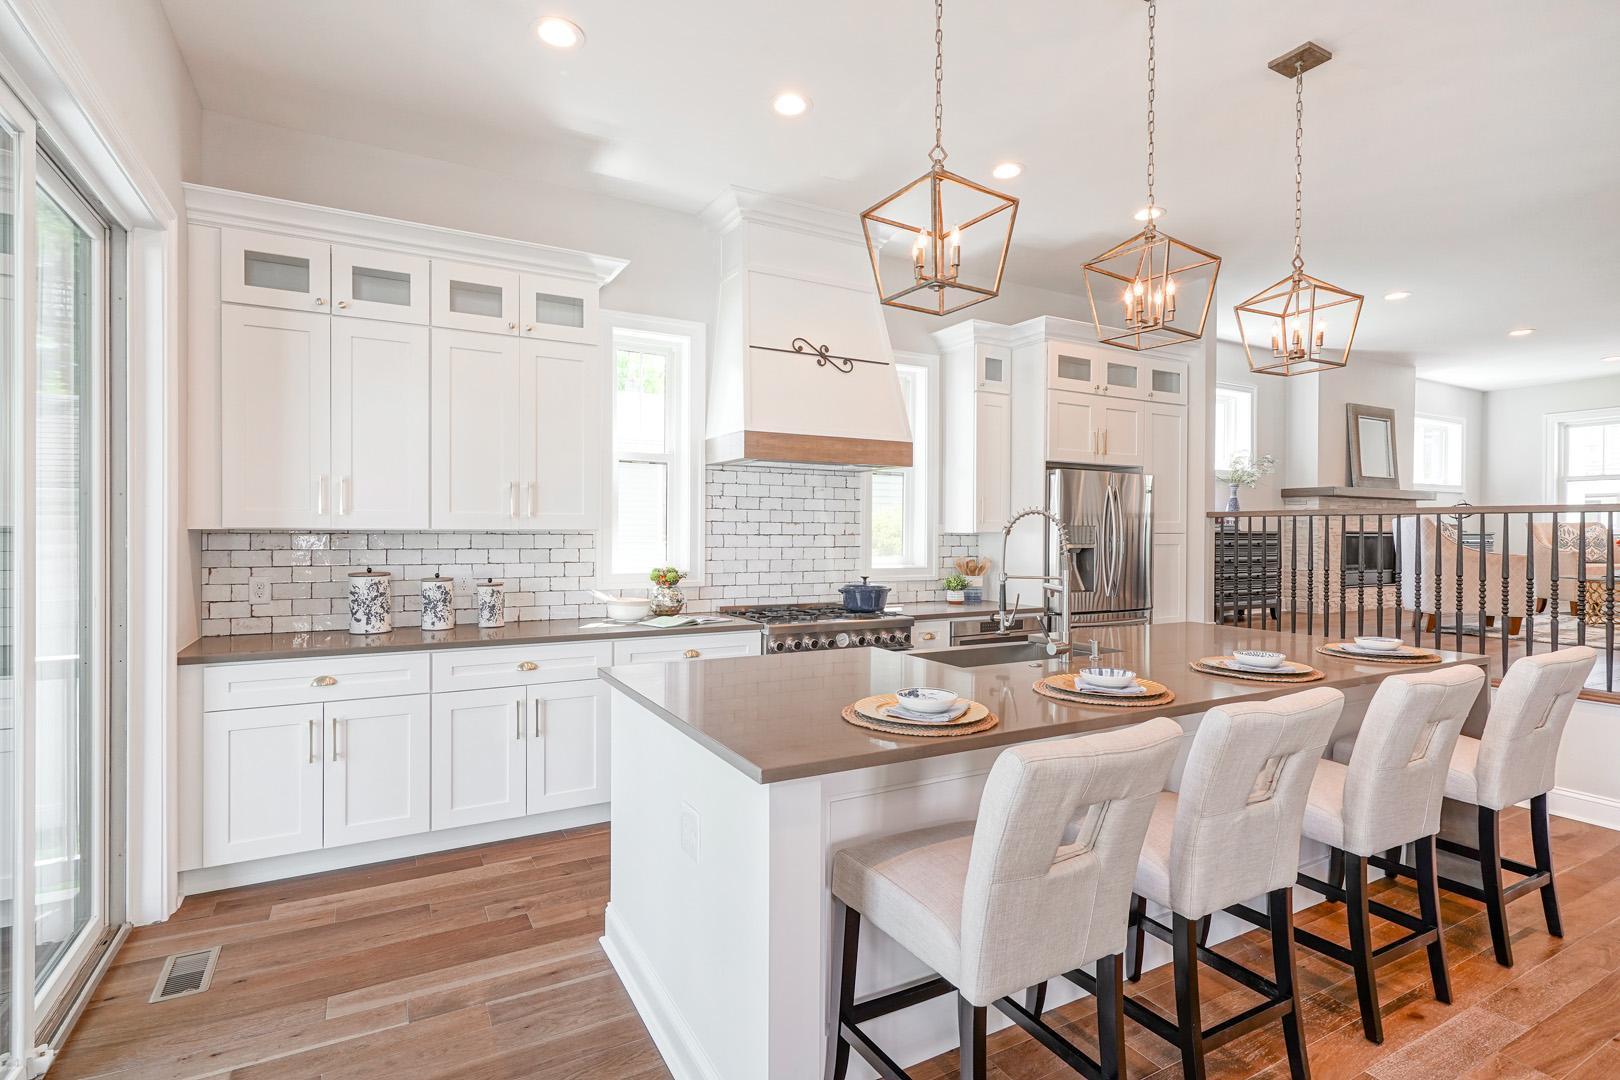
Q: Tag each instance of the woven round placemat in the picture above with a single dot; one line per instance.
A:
(921, 731)
(1407, 654)
(1061, 688)
(1207, 666)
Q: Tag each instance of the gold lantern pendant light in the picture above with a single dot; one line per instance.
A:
(1153, 290)
(1301, 324)
(940, 243)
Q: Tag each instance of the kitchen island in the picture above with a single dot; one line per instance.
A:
(735, 780)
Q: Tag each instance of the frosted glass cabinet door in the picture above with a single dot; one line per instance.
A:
(563, 434)
(274, 271)
(261, 783)
(558, 309)
(381, 461)
(469, 297)
(568, 746)
(379, 285)
(479, 475)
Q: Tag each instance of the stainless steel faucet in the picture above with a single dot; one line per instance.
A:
(1057, 638)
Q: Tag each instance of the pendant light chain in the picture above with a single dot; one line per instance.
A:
(937, 155)
(1299, 165)
(1152, 73)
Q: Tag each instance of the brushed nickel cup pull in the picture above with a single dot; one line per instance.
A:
(324, 680)
(528, 665)
(692, 654)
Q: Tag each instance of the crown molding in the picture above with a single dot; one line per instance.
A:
(744, 205)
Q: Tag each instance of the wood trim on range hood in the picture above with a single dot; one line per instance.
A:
(789, 448)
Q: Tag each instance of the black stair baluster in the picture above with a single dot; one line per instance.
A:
(1507, 591)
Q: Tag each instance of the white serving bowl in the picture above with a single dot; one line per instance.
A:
(1259, 658)
(1108, 678)
(628, 609)
(926, 699)
(1379, 644)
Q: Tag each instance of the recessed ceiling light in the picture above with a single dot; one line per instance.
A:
(1399, 294)
(789, 103)
(1006, 170)
(1158, 212)
(1522, 331)
(559, 33)
(1611, 359)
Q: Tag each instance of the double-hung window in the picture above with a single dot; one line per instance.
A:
(1588, 458)
(899, 532)
(1234, 424)
(1439, 446)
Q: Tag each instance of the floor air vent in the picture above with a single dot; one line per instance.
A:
(185, 974)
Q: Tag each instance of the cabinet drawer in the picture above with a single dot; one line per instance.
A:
(686, 647)
(518, 665)
(295, 682)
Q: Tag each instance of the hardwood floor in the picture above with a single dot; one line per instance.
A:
(484, 964)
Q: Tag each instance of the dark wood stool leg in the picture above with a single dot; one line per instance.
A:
(1428, 888)
(970, 1025)
(1188, 1016)
(1035, 1000)
(1111, 1016)
(1539, 826)
(1135, 938)
(1335, 875)
(1361, 958)
(1280, 911)
(1490, 871)
(846, 935)
(1203, 930)
(1393, 855)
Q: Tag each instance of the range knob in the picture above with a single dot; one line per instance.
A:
(778, 646)
(888, 637)
(816, 643)
(796, 644)
(863, 639)
(905, 637)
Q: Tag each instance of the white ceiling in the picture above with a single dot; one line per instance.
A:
(1464, 150)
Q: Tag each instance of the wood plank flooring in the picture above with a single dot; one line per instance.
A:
(483, 964)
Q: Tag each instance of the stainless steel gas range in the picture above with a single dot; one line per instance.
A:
(804, 627)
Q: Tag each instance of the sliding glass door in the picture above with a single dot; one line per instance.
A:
(16, 152)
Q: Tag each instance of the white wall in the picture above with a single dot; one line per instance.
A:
(1458, 403)
(1516, 466)
(1271, 428)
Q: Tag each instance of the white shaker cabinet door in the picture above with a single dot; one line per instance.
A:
(1123, 430)
(563, 435)
(386, 285)
(261, 783)
(1167, 462)
(381, 461)
(1073, 423)
(992, 480)
(568, 745)
(275, 418)
(378, 769)
(471, 297)
(478, 468)
(558, 309)
(275, 271)
(479, 756)
(1169, 578)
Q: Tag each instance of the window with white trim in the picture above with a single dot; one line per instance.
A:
(1439, 445)
(899, 525)
(1234, 424)
(1589, 459)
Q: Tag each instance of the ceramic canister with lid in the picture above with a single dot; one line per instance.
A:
(371, 601)
(491, 604)
(438, 603)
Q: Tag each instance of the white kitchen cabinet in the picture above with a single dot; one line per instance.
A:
(378, 774)
(478, 465)
(275, 418)
(1072, 424)
(931, 634)
(1169, 579)
(519, 665)
(658, 650)
(560, 393)
(567, 757)
(992, 478)
(262, 782)
(471, 297)
(479, 756)
(1072, 367)
(271, 270)
(992, 368)
(1166, 382)
(381, 450)
(1166, 462)
(372, 284)
(558, 309)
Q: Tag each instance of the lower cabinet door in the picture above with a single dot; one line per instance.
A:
(261, 782)
(568, 745)
(1169, 578)
(479, 756)
(378, 773)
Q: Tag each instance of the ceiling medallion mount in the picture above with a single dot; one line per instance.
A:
(1292, 315)
(946, 237)
(1152, 290)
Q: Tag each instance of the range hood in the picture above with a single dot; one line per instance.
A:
(802, 371)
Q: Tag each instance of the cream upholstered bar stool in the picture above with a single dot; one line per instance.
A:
(1037, 885)
(1513, 761)
(1231, 833)
(1384, 790)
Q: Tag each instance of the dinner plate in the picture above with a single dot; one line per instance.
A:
(1352, 647)
(1077, 685)
(900, 712)
(1284, 669)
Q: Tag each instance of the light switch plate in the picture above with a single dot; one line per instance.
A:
(689, 831)
(259, 590)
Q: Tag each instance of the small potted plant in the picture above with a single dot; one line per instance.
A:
(666, 598)
(1246, 472)
(955, 589)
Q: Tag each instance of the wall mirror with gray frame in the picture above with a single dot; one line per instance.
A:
(1373, 459)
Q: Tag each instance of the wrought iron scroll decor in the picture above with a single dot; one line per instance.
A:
(824, 355)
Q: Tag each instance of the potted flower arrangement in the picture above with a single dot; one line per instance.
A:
(666, 598)
(955, 589)
(1245, 471)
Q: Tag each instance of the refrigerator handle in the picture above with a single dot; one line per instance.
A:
(1106, 540)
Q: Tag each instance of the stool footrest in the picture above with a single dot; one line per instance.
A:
(1042, 1033)
(902, 997)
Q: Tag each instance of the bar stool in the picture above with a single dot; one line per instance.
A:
(1513, 761)
(1037, 885)
(1230, 833)
(1388, 795)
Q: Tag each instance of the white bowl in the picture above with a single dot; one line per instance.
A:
(1259, 658)
(628, 609)
(926, 699)
(1379, 644)
(1109, 678)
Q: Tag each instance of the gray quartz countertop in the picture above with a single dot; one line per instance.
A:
(244, 648)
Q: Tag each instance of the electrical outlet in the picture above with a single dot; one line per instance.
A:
(464, 584)
(689, 831)
(259, 590)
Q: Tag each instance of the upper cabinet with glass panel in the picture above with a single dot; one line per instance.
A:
(558, 309)
(995, 368)
(469, 297)
(275, 271)
(385, 285)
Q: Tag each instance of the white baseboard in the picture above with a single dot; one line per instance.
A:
(1585, 806)
(683, 1056)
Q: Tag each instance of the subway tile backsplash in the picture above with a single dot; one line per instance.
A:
(770, 534)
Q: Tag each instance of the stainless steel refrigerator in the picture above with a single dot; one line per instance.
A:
(1109, 514)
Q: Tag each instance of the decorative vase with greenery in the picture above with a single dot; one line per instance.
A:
(1245, 471)
(666, 598)
(955, 589)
